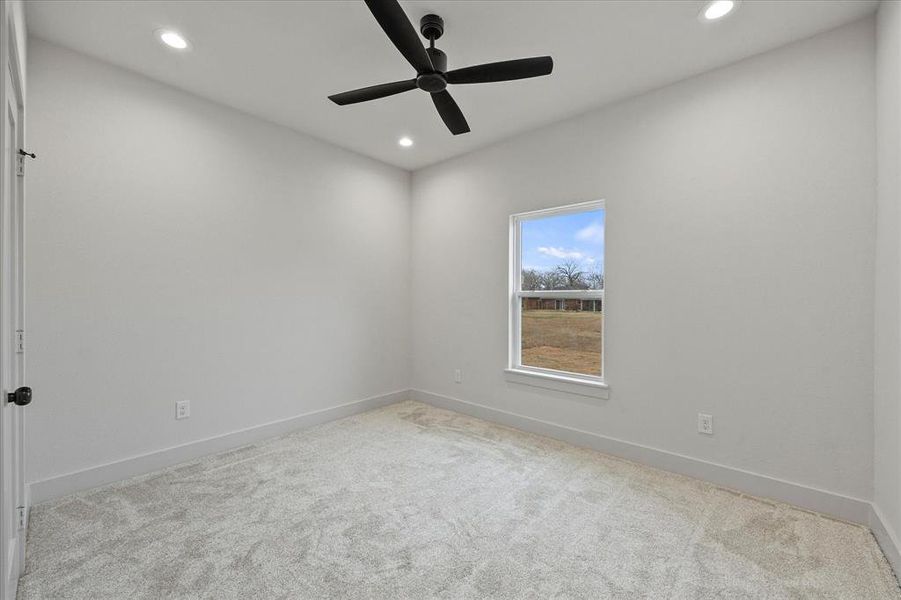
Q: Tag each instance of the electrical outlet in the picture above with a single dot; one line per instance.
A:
(458, 376)
(182, 409)
(705, 424)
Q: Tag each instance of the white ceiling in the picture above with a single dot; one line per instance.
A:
(280, 60)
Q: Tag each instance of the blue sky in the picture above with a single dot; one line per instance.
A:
(553, 240)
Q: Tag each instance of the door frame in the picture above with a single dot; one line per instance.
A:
(13, 564)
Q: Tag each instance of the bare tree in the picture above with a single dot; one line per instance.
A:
(595, 280)
(552, 280)
(532, 279)
(568, 275)
(572, 275)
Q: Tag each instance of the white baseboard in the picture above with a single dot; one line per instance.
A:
(829, 503)
(61, 485)
(817, 500)
(886, 538)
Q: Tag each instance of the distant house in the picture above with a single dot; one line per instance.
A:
(562, 304)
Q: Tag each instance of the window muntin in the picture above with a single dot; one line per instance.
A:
(557, 291)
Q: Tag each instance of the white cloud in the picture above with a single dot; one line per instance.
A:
(593, 233)
(561, 253)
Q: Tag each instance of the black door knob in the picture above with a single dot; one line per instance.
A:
(21, 396)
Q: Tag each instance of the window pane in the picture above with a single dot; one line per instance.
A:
(564, 252)
(563, 334)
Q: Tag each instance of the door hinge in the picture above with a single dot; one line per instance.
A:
(20, 513)
(20, 341)
(20, 166)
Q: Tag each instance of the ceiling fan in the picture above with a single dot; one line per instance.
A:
(430, 63)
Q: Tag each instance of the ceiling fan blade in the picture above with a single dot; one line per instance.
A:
(503, 71)
(400, 31)
(373, 92)
(450, 113)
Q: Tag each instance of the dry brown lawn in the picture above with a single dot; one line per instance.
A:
(562, 340)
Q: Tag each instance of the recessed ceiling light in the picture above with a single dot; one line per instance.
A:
(717, 9)
(405, 142)
(173, 39)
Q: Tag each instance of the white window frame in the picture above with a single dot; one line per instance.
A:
(516, 372)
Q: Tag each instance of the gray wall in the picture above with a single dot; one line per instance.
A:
(740, 257)
(887, 496)
(740, 214)
(178, 249)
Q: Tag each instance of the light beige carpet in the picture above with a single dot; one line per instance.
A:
(414, 502)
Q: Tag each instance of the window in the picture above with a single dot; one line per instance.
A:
(557, 293)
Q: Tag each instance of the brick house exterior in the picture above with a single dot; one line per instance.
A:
(562, 304)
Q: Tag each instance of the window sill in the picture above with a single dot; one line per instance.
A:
(560, 383)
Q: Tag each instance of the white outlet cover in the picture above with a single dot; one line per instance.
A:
(705, 424)
(182, 409)
(458, 375)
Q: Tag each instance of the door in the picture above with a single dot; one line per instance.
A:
(12, 420)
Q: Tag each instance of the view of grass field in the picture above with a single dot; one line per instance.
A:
(563, 340)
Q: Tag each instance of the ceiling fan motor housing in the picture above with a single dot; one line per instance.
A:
(438, 58)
